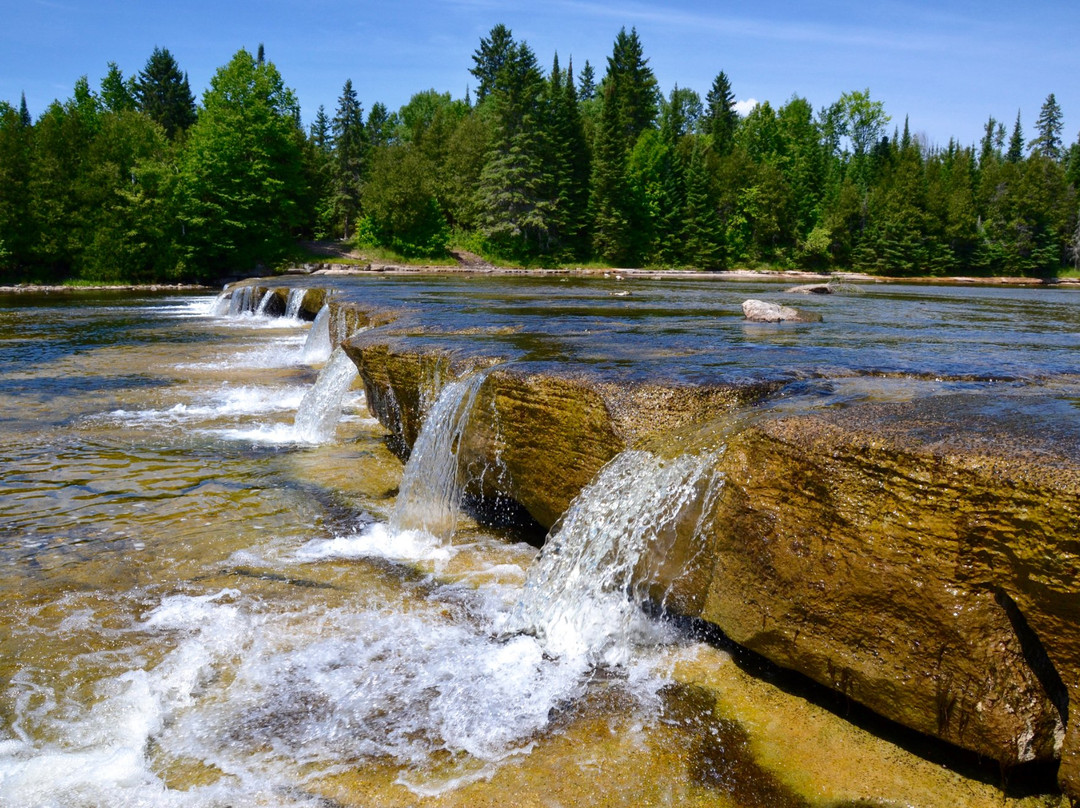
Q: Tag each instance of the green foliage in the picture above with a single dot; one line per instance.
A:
(488, 60)
(241, 169)
(127, 183)
(1048, 142)
(349, 139)
(721, 119)
(162, 92)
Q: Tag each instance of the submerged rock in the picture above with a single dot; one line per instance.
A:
(760, 311)
(811, 289)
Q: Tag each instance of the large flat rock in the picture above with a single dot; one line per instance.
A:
(919, 557)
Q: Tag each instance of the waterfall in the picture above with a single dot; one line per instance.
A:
(268, 295)
(581, 597)
(317, 348)
(293, 303)
(320, 409)
(221, 304)
(240, 300)
(430, 494)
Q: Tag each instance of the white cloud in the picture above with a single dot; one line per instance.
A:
(745, 107)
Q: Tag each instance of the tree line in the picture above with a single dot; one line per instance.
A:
(133, 181)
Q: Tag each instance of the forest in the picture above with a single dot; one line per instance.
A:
(136, 182)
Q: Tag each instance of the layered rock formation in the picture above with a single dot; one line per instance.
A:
(921, 558)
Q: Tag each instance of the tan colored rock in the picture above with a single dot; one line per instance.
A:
(918, 572)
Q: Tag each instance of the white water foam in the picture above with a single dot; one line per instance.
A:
(226, 402)
(305, 695)
(582, 597)
(379, 541)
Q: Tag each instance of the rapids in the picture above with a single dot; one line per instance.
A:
(207, 601)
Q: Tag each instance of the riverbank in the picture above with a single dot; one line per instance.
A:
(48, 289)
(801, 276)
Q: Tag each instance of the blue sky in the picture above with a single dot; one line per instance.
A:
(948, 65)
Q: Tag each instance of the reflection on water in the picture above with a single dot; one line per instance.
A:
(200, 610)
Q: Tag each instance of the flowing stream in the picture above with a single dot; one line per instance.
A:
(217, 588)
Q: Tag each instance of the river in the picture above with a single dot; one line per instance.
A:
(205, 605)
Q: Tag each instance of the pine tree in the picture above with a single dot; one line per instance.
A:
(1049, 126)
(377, 128)
(721, 119)
(569, 160)
(587, 82)
(489, 59)
(516, 185)
(320, 131)
(163, 93)
(634, 88)
(350, 146)
(1016, 143)
(701, 224)
(24, 112)
(987, 150)
(609, 201)
(241, 190)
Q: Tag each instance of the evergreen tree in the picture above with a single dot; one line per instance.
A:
(517, 184)
(987, 148)
(350, 146)
(610, 198)
(568, 161)
(721, 119)
(489, 59)
(377, 129)
(1016, 143)
(1049, 127)
(24, 112)
(320, 131)
(117, 94)
(634, 91)
(163, 93)
(701, 224)
(587, 83)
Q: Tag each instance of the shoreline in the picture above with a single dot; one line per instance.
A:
(330, 269)
(48, 289)
(802, 276)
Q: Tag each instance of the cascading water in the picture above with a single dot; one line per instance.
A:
(318, 347)
(293, 303)
(320, 409)
(582, 596)
(241, 300)
(430, 492)
(264, 303)
(220, 306)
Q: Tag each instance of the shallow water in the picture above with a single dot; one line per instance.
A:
(202, 607)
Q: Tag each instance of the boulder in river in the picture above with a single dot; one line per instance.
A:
(760, 311)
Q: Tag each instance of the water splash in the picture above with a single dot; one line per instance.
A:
(582, 596)
(320, 409)
(318, 347)
(430, 493)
